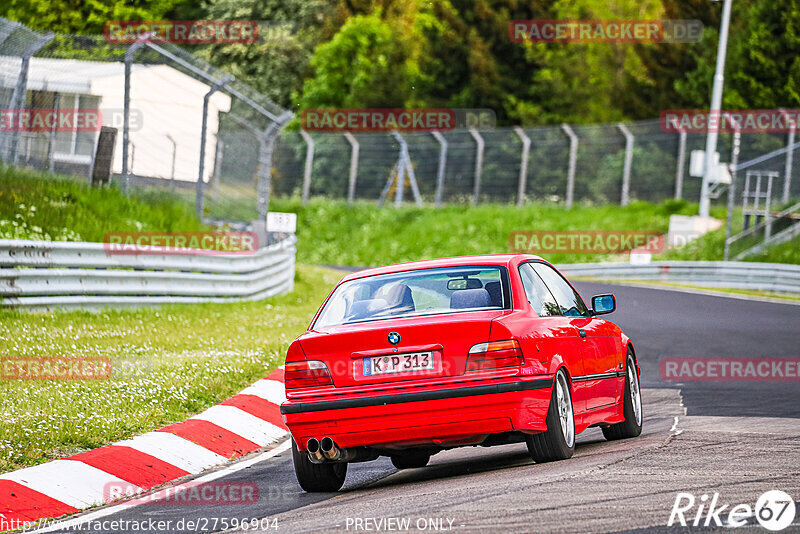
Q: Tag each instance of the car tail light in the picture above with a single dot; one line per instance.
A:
(306, 374)
(494, 354)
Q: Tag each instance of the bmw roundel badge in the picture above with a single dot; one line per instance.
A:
(394, 338)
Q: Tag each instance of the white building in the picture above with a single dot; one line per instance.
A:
(166, 115)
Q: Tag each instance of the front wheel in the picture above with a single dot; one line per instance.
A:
(316, 478)
(631, 407)
(558, 441)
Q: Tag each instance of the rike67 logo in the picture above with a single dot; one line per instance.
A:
(774, 510)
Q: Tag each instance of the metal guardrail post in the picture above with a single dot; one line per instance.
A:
(573, 161)
(440, 170)
(308, 165)
(479, 144)
(351, 182)
(198, 197)
(18, 98)
(626, 170)
(523, 167)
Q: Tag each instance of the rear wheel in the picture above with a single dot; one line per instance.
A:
(631, 407)
(412, 460)
(558, 441)
(313, 477)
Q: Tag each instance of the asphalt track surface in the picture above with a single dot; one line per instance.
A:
(738, 439)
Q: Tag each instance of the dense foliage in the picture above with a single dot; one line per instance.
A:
(391, 53)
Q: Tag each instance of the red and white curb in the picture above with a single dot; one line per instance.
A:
(238, 426)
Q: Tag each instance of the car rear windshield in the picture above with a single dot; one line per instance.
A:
(414, 293)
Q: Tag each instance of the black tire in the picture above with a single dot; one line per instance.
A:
(315, 478)
(411, 461)
(552, 445)
(632, 425)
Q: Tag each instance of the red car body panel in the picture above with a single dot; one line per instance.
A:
(449, 406)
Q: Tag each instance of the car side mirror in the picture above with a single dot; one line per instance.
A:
(603, 304)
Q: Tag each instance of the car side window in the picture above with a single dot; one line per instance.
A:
(538, 295)
(568, 299)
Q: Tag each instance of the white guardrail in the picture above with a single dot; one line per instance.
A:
(777, 277)
(56, 274)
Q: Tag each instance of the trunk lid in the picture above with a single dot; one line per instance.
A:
(447, 337)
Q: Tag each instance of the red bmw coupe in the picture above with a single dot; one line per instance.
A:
(408, 360)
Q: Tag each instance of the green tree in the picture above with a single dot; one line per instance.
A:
(288, 32)
(84, 16)
(765, 67)
(371, 61)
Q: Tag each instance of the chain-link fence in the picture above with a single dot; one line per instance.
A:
(187, 119)
(175, 118)
(658, 168)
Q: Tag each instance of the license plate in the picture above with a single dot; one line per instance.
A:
(398, 363)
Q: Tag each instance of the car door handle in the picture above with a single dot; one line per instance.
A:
(582, 333)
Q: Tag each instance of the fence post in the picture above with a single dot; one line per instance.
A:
(309, 163)
(198, 198)
(737, 135)
(523, 167)
(787, 173)
(441, 169)
(267, 143)
(351, 183)
(174, 154)
(573, 161)
(126, 115)
(51, 138)
(478, 165)
(626, 171)
(18, 98)
(220, 154)
(681, 163)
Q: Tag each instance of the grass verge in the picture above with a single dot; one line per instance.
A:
(331, 232)
(169, 363)
(55, 208)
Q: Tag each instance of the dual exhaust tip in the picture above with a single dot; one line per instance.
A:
(324, 449)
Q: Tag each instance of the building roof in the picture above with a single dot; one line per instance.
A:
(60, 75)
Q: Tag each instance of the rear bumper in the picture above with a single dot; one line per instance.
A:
(447, 417)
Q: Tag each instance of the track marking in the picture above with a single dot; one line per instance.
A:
(69, 481)
(175, 450)
(99, 514)
(269, 390)
(242, 423)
